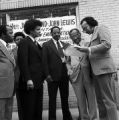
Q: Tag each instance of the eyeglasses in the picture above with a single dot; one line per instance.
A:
(84, 29)
(18, 39)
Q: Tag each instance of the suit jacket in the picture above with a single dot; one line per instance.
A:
(16, 70)
(7, 65)
(30, 63)
(52, 62)
(100, 58)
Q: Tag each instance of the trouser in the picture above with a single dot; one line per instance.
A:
(31, 103)
(105, 87)
(6, 107)
(64, 93)
(85, 93)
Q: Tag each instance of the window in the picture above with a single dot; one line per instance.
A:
(43, 12)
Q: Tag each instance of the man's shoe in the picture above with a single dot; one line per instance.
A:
(69, 118)
(79, 118)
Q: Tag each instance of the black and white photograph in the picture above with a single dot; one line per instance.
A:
(59, 59)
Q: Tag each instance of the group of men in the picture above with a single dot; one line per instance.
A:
(93, 82)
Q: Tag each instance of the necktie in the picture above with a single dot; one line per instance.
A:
(60, 50)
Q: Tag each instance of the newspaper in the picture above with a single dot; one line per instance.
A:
(72, 50)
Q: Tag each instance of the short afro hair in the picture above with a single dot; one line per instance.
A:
(90, 21)
(31, 25)
(19, 34)
(54, 28)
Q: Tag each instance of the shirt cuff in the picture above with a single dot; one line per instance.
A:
(89, 51)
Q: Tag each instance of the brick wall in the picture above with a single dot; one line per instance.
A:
(107, 13)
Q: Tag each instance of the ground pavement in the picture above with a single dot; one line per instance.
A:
(74, 112)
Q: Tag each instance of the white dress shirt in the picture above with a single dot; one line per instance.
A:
(4, 43)
(55, 42)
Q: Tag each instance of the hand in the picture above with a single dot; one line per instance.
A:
(83, 49)
(115, 76)
(49, 79)
(30, 85)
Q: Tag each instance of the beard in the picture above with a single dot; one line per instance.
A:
(56, 37)
(8, 39)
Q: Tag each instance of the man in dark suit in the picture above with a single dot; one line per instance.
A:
(18, 36)
(7, 79)
(31, 73)
(56, 72)
(102, 66)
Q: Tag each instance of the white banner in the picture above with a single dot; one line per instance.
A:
(66, 23)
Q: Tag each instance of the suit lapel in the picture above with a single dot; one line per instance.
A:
(94, 35)
(6, 52)
(53, 46)
(34, 46)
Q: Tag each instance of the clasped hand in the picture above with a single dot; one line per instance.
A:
(30, 85)
(49, 78)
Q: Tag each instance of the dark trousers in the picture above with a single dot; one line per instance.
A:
(19, 98)
(64, 93)
(30, 104)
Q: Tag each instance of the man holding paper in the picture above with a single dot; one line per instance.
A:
(79, 72)
(102, 65)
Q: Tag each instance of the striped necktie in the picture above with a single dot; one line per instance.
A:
(60, 50)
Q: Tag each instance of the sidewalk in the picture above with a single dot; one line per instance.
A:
(74, 112)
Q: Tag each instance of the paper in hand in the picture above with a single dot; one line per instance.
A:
(72, 51)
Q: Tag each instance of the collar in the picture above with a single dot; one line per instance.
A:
(55, 41)
(3, 42)
(95, 29)
(31, 38)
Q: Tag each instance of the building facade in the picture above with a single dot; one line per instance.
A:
(105, 11)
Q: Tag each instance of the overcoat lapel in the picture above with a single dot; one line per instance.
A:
(6, 52)
(34, 46)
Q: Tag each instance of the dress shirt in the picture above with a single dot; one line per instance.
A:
(55, 42)
(4, 43)
(33, 39)
(74, 60)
